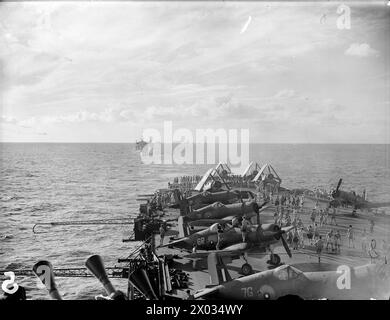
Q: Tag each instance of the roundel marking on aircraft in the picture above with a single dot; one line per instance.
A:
(266, 292)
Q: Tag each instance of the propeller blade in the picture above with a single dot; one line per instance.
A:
(287, 229)
(285, 245)
(338, 185)
(44, 271)
(96, 266)
(271, 231)
(263, 204)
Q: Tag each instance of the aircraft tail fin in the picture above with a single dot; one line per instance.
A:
(183, 227)
(217, 269)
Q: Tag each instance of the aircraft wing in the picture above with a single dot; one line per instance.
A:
(174, 242)
(206, 292)
(247, 169)
(237, 247)
(205, 254)
(240, 248)
(262, 207)
(223, 220)
(259, 173)
(234, 250)
(208, 222)
(226, 219)
(202, 182)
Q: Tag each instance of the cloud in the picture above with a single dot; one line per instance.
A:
(361, 50)
(296, 108)
(7, 119)
(287, 106)
(285, 93)
(206, 110)
(195, 67)
(109, 115)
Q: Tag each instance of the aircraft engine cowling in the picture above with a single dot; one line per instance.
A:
(271, 227)
(269, 230)
(278, 232)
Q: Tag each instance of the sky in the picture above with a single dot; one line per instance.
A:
(106, 71)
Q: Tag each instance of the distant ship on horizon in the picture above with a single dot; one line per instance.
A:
(139, 145)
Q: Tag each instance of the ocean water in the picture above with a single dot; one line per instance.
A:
(59, 182)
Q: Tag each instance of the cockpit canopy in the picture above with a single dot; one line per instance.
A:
(218, 205)
(287, 272)
(214, 227)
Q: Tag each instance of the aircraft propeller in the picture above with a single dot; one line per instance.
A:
(335, 193)
(286, 247)
(278, 233)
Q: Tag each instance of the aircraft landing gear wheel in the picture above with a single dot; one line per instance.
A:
(274, 259)
(246, 269)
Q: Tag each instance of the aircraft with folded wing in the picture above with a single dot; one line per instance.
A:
(205, 198)
(362, 282)
(213, 188)
(341, 197)
(224, 212)
(260, 240)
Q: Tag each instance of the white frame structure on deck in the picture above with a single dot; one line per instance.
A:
(215, 175)
(251, 168)
(264, 173)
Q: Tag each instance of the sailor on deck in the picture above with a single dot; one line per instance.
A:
(350, 237)
(244, 228)
(337, 241)
(319, 246)
(329, 240)
(219, 237)
(326, 215)
(316, 232)
(372, 224)
(310, 234)
(333, 217)
(313, 216)
(364, 241)
(162, 233)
